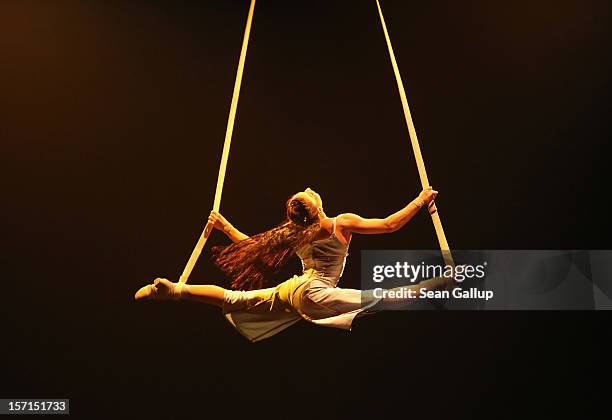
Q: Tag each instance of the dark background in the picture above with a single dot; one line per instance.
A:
(112, 117)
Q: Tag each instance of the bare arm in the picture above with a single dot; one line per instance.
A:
(353, 223)
(234, 234)
(220, 223)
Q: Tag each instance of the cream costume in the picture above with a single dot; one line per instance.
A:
(313, 296)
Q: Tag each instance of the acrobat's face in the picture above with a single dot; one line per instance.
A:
(310, 197)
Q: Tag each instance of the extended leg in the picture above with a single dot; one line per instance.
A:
(163, 289)
(207, 293)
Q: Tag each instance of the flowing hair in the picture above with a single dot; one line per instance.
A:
(252, 261)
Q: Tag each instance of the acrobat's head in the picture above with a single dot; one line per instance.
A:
(304, 206)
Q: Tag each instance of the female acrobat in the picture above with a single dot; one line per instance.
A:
(321, 242)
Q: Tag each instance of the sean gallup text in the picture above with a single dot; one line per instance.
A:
(422, 293)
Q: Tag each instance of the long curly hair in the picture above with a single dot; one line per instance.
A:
(252, 261)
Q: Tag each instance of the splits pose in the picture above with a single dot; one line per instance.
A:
(321, 243)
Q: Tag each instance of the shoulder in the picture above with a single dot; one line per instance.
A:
(326, 224)
(346, 219)
(342, 220)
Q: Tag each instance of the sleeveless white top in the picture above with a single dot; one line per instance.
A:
(314, 295)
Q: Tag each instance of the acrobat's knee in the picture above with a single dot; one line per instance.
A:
(234, 297)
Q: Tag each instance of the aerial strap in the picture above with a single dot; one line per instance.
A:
(435, 216)
(226, 148)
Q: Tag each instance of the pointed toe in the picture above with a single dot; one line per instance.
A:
(145, 292)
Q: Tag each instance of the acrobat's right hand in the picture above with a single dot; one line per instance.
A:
(218, 221)
(428, 195)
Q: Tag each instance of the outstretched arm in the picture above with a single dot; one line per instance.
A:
(220, 223)
(353, 223)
